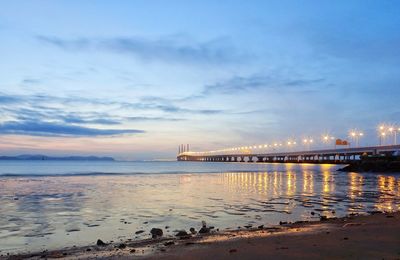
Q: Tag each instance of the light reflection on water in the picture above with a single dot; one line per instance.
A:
(51, 212)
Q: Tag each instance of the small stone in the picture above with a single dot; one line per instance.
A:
(282, 223)
(233, 251)
(260, 226)
(345, 238)
(16, 198)
(166, 227)
(312, 213)
(169, 243)
(192, 230)
(121, 246)
(323, 218)
(156, 232)
(88, 249)
(139, 232)
(100, 243)
(248, 226)
(181, 233)
(133, 250)
(204, 230)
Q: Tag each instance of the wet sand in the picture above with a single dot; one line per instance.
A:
(353, 237)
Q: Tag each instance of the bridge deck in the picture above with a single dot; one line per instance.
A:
(339, 155)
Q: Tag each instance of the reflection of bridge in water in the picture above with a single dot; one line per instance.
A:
(321, 190)
(334, 156)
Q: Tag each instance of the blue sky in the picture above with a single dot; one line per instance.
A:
(133, 79)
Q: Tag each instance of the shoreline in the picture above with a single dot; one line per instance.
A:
(356, 236)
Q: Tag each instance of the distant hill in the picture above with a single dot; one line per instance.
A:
(39, 157)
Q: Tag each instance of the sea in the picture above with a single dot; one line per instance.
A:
(47, 205)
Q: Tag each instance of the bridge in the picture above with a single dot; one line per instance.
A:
(333, 156)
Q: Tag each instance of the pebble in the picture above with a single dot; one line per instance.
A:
(100, 243)
(181, 233)
(204, 230)
(139, 232)
(169, 243)
(323, 218)
(156, 232)
(122, 246)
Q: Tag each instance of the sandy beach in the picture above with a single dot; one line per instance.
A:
(352, 237)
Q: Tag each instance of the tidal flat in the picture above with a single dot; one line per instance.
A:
(59, 205)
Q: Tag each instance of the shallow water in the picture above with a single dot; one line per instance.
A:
(47, 205)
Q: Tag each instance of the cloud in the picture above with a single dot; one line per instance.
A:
(6, 99)
(304, 82)
(36, 128)
(166, 49)
(31, 81)
(144, 118)
(74, 119)
(239, 84)
(167, 106)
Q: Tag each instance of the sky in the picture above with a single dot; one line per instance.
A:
(134, 79)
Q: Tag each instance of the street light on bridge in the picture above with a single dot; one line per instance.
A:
(385, 130)
(393, 131)
(382, 138)
(308, 142)
(356, 135)
(326, 138)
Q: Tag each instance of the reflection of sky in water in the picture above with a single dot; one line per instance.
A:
(68, 210)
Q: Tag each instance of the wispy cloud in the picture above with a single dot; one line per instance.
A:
(150, 118)
(31, 81)
(55, 129)
(166, 49)
(255, 82)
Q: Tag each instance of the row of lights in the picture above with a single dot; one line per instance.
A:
(385, 130)
(354, 134)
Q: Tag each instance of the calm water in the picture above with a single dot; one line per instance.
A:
(47, 205)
